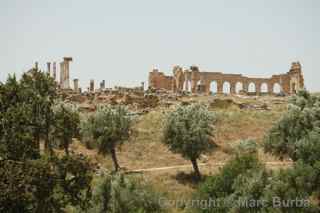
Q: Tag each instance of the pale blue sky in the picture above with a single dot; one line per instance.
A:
(121, 41)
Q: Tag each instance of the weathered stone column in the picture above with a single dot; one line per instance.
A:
(36, 65)
(76, 85)
(54, 68)
(49, 68)
(67, 72)
(102, 85)
(91, 85)
(61, 83)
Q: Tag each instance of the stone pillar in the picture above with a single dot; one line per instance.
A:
(36, 65)
(142, 85)
(245, 87)
(49, 68)
(258, 88)
(233, 88)
(102, 85)
(91, 89)
(193, 85)
(62, 75)
(220, 87)
(270, 88)
(67, 72)
(207, 83)
(54, 69)
(76, 85)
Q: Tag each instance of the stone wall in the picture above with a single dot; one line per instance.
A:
(195, 81)
(160, 81)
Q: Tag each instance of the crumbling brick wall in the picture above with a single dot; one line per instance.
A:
(195, 81)
(159, 80)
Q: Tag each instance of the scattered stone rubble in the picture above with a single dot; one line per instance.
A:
(165, 91)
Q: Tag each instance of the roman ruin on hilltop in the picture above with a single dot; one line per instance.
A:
(196, 81)
(63, 84)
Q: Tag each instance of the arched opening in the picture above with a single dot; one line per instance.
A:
(239, 87)
(276, 88)
(213, 87)
(252, 87)
(264, 88)
(226, 87)
(187, 86)
(199, 84)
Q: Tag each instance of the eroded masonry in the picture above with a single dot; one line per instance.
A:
(196, 81)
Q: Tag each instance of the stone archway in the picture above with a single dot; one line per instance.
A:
(213, 87)
(187, 86)
(264, 88)
(226, 87)
(239, 87)
(276, 88)
(252, 87)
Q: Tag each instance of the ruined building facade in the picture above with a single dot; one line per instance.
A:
(196, 81)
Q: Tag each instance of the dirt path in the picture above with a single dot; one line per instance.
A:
(268, 164)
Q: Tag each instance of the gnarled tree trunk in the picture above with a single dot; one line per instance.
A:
(114, 159)
(196, 168)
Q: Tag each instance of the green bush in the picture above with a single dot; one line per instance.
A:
(121, 194)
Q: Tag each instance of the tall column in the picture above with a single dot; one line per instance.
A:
(91, 85)
(102, 85)
(62, 75)
(66, 61)
(76, 85)
(36, 65)
(54, 68)
(49, 68)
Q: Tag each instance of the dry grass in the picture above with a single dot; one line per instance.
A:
(145, 150)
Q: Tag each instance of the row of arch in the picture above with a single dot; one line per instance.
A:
(238, 87)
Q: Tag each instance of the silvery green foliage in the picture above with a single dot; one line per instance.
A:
(67, 120)
(244, 180)
(118, 193)
(109, 126)
(302, 118)
(246, 146)
(188, 130)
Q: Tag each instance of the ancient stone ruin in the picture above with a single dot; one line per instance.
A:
(65, 73)
(195, 81)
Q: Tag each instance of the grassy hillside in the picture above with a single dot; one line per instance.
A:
(144, 150)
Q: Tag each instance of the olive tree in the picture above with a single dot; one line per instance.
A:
(297, 135)
(67, 122)
(110, 127)
(188, 130)
(297, 129)
(40, 93)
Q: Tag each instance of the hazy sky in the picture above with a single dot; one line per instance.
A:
(121, 41)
